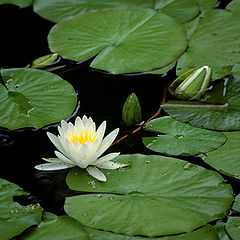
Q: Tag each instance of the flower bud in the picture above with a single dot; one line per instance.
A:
(191, 84)
(131, 112)
(43, 61)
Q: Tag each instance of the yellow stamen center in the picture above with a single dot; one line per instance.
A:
(82, 137)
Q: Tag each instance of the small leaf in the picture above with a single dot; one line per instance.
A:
(177, 138)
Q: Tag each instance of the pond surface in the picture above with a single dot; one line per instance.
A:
(101, 96)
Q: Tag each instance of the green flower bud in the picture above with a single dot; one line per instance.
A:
(192, 84)
(131, 112)
(43, 61)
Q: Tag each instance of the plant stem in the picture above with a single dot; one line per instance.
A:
(145, 123)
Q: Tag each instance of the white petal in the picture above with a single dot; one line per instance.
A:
(55, 140)
(101, 130)
(106, 158)
(63, 158)
(53, 166)
(111, 165)
(77, 156)
(62, 132)
(79, 124)
(96, 173)
(107, 141)
(85, 120)
(64, 125)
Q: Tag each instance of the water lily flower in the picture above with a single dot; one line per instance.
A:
(82, 145)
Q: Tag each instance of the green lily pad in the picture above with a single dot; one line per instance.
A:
(233, 227)
(222, 117)
(236, 204)
(215, 43)
(57, 228)
(155, 196)
(34, 98)
(14, 217)
(205, 233)
(57, 10)
(19, 3)
(181, 138)
(226, 159)
(126, 40)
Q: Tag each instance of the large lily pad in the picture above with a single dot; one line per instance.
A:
(205, 233)
(14, 217)
(215, 43)
(126, 40)
(57, 10)
(57, 228)
(177, 138)
(34, 98)
(144, 198)
(226, 159)
(223, 117)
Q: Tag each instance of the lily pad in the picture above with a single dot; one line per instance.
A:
(177, 138)
(57, 228)
(144, 198)
(19, 3)
(236, 204)
(207, 233)
(222, 117)
(57, 10)
(34, 98)
(233, 227)
(126, 40)
(226, 159)
(215, 43)
(14, 217)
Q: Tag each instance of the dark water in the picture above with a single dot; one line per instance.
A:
(101, 96)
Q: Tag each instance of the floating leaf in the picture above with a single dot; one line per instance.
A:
(205, 233)
(55, 10)
(181, 138)
(223, 117)
(236, 204)
(233, 227)
(226, 159)
(126, 40)
(215, 43)
(19, 3)
(14, 217)
(144, 198)
(34, 98)
(57, 228)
